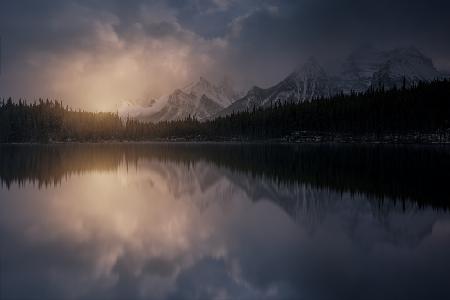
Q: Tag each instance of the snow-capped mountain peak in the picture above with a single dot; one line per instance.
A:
(199, 86)
(310, 66)
(404, 65)
(310, 70)
(359, 67)
(222, 95)
(367, 66)
(201, 99)
(307, 82)
(364, 68)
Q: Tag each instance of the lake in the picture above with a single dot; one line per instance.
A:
(224, 221)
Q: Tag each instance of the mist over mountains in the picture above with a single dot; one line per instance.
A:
(202, 99)
(364, 68)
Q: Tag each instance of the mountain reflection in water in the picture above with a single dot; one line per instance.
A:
(207, 221)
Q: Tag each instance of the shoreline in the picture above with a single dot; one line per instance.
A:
(295, 138)
(239, 142)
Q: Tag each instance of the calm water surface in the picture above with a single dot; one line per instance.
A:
(205, 221)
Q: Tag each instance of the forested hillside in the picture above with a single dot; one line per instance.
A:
(422, 109)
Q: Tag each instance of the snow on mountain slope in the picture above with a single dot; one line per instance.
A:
(222, 94)
(364, 68)
(306, 83)
(404, 65)
(368, 67)
(359, 67)
(200, 99)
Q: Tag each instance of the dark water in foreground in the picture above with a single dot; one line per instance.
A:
(211, 221)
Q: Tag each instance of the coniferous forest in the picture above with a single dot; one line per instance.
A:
(422, 110)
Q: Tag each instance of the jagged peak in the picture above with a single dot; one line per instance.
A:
(312, 63)
(201, 83)
(310, 68)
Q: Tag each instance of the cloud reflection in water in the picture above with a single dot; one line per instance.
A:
(165, 229)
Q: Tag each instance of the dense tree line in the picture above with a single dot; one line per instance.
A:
(44, 121)
(423, 109)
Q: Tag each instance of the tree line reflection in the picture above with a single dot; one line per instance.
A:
(415, 174)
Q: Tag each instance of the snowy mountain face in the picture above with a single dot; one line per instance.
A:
(404, 65)
(200, 99)
(358, 69)
(306, 83)
(368, 67)
(222, 94)
(364, 68)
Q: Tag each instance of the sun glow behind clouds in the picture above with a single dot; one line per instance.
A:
(95, 54)
(102, 79)
(108, 66)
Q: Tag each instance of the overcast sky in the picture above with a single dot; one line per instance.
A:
(95, 53)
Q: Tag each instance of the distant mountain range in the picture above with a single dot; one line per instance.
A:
(364, 68)
(307, 82)
(201, 99)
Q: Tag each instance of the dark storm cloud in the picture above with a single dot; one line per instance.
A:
(293, 30)
(295, 26)
(255, 41)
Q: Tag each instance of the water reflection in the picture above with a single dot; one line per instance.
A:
(212, 221)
